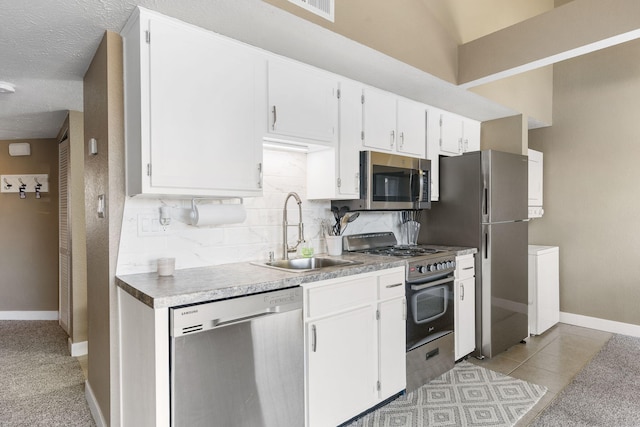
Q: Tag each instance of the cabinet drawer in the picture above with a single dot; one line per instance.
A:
(340, 295)
(391, 284)
(465, 267)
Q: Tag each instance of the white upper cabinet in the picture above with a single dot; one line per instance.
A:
(335, 173)
(411, 127)
(433, 150)
(393, 124)
(350, 142)
(192, 103)
(471, 135)
(302, 103)
(535, 184)
(458, 134)
(379, 120)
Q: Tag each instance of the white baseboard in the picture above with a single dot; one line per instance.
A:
(78, 348)
(93, 405)
(28, 315)
(600, 324)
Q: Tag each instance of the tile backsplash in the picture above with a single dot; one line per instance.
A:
(142, 242)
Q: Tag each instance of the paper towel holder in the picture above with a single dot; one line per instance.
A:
(194, 202)
(196, 199)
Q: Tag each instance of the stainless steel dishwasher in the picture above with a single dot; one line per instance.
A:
(239, 362)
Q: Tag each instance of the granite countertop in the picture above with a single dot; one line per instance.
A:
(196, 285)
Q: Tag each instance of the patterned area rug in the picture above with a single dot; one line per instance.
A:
(467, 395)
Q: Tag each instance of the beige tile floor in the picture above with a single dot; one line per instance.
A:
(551, 360)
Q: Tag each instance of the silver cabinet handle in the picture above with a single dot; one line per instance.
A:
(461, 291)
(393, 137)
(395, 285)
(275, 117)
(401, 139)
(314, 338)
(260, 175)
(404, 308)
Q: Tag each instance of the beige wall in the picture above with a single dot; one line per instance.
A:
(508, 134)
(591, 176)
(468, 20)
(531, 93)
(406, 31)
(29, 230)
(104, 174)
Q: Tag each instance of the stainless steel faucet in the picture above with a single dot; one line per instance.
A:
(285, 224)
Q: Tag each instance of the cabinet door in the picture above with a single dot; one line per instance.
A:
(302, 102)
(535, 178)
(202, 110)
(379, 120)
(471, 135)
(392, 347)
(341, 377)
(350, 140)
(450, 134)
(465, 317)
(433, 150)
(412, 128)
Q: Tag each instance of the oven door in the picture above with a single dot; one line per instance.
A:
(431, 312)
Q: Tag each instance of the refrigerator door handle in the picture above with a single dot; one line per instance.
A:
(485, 201)
(486, 245)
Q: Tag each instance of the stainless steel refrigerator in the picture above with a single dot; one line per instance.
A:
(483, 204)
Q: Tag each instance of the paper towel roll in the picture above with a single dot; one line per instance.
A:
(216, 214)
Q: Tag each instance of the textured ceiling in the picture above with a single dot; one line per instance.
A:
(46, 47)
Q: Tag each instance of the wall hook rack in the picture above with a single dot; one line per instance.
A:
(25, 183)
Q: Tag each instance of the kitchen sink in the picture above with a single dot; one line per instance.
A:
(303, 264)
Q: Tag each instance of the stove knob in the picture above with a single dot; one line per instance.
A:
(432, 267)
(439, 266)
(421, 269)
(449, 264)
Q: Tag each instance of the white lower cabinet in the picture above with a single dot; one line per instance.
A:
(465, 306)
(393, 366)
(355, 344)
(341, 372)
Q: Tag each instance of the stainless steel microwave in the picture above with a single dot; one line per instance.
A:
(391, 182)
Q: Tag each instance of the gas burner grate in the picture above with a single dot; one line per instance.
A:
(402, 251)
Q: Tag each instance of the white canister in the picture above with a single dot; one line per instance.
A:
(166, 266)
(334, 245)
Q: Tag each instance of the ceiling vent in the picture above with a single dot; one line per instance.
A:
(323, 8)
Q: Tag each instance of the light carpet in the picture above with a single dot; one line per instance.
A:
(40, 383)
(606, 392)
(466, 396)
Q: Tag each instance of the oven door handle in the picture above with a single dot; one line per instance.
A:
(429, 284)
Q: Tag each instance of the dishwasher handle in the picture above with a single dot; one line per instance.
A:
(216, 323)
(187, 320)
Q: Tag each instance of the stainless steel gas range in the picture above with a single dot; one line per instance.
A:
(430, 304)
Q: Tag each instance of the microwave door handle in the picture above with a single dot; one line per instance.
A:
(421, 179)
